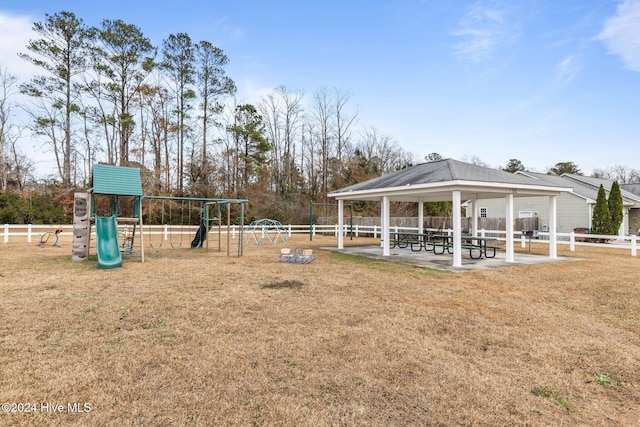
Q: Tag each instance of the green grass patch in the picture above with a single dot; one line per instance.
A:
(359, 260)
(605, 380)
(557, 397)
(386, 265)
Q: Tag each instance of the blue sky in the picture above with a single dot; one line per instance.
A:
(543, 81)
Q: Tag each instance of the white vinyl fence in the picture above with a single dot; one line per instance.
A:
(32, 233)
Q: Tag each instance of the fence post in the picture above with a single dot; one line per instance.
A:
(375, 231)
(6, 233)
(572, 241)
(165, 231)
(29, 233)
(356, 230)
(289, 231)
(633, 245)
(522, 242)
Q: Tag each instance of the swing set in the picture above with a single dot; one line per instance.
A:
(191, 216)
(172, 215)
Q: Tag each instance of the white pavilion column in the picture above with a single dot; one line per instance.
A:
(474, 216)
(509, 227)
(553, 238)
(420, 216)
(457, 229)
(340, 224)
(381, 224)
(385, 226)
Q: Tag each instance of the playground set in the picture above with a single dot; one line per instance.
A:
(116, 206)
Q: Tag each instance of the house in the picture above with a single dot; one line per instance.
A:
(574, 209)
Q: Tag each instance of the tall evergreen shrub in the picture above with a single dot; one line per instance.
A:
(614, 204)
(601, 220)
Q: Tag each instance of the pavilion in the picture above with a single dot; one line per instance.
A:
(455, 181)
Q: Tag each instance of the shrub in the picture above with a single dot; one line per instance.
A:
(601, 220)
(615, 206)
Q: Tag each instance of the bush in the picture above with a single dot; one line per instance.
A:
(36, 209)
(601, 220)
(616, 208)
(13, 209)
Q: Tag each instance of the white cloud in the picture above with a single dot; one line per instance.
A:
(15, 33)
(483, 29)
(251, 90)
(621, 34)
(566, 70)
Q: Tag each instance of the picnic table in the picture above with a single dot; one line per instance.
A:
(414, 240)
(479, 246)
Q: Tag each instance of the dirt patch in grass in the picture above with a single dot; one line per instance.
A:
(283, 284)
(196, 338)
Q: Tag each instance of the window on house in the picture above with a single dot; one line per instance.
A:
(483, 212)
(525, 214)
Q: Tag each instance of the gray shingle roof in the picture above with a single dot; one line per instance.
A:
(444, 171)
(628, 196)
(586, 186)
(579, 188)
(632, 188)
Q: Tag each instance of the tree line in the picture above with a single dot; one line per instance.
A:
(107, 94)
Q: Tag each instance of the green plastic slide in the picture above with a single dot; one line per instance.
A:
(108, 249)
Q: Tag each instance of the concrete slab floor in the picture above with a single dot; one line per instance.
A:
(445, 261)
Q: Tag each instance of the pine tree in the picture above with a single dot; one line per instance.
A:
(601, 220)
(614, 204)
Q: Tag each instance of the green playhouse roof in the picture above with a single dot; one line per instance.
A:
(119, 180)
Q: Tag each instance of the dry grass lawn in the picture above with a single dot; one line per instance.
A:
(196, 338)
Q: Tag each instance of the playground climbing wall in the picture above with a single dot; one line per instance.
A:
(81, 226)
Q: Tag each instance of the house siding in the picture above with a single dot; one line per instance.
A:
(573, 211)
(634, 221)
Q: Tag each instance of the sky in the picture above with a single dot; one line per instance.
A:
(542, 81)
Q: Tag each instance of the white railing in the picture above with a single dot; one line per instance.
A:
(572, 239)
(168, 232)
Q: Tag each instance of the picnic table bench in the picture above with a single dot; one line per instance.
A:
(477, 246)
(406, 239)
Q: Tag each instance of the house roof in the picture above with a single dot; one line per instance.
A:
(586, 187)
(116, 180)
(628, 197)
(632, 188)
(580, 189)
(434, 181)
